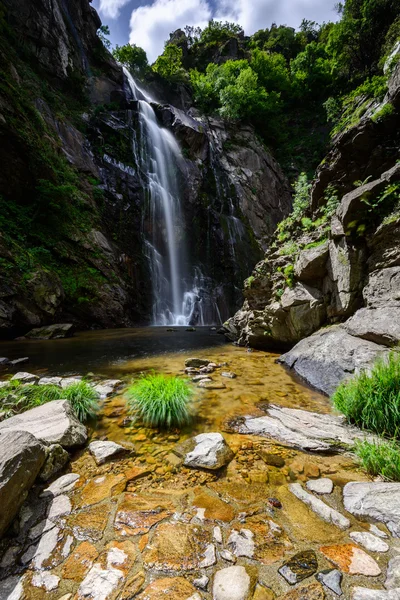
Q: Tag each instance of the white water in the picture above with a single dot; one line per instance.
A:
(176, 300)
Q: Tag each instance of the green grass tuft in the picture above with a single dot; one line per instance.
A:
(160, 401)
(83, 399)
(372, 400)
(380, 458)
(17, 398)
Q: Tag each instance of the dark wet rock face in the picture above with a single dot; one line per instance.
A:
(348, 276)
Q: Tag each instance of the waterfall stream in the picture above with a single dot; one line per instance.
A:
(177, 298)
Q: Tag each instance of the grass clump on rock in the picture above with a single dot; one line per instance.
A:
(380, 458)
(17, 398)
(160, 401)
(372, 399)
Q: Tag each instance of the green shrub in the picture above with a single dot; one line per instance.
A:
(372, 400)
(17, 398)
(380, 458)
(83, 398)
(160, 401)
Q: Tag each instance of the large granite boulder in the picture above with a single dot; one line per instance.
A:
(312, 432)
(52, 423)
(329, 356)
(380, 325)
(21, 458)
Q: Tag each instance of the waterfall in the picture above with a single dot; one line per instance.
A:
(177, 298)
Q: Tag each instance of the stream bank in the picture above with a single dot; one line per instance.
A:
(142, 525)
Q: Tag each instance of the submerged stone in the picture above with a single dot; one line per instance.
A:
(299, 567)
(232, 583)
(351, 559)
(332, 579)
(328, 514)
(369, 541)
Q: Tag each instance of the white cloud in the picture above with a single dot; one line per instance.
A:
(111, 8)
(151, 25)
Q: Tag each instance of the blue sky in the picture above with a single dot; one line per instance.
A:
(148, 23)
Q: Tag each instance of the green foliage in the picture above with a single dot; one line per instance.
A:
(103, 32)
(381, 458)
(160, 400)
(312, 70)
(132, 57)
(380, 115)
(218, 31)
(372, 400)
(169, 64)
(17, 398)
(301, 202)
(83, 398)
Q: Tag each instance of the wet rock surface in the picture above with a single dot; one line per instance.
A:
(210, 451)
(299, 567)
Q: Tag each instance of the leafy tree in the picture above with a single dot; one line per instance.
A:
(272, 70)
(103, 32)
(217, 31)
(169, 64)
(132, 57)
(312, 70)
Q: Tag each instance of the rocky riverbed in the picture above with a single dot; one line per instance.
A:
(249, 502)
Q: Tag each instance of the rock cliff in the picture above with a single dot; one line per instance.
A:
(337, 278)
(72, 246)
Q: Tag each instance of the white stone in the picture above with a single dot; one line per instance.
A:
(42, 551)
(210, 452)
(241, 543)
(41, 528)
(376, 531)
(66, 550)
(201, 582)
(209, 557)
(63, 484)
(99, 583)
(12, 588)
(46, 581)
(359, 593)
(25, 377)
(376, 500)
(217, 534)
(59, 507)
(50, 381)
(226, 555)
(328, 514)
(232, 583)
(369, 541)
(393, 574)
(107, 388)
(102, 451)
(320, 486)
(52, 423)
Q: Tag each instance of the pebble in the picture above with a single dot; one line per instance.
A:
(201, 582)
(299, 567)
(228, 374)
(217, 535)
(46, 581)
(232, 583)
(331, 579)
(241, 543)
(352, 560)
(328, 514)
(320, 486)
(369, 541)
(376, 531)
(226, 555)
(275, 502)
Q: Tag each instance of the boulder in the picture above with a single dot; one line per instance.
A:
(209, 451)
(301, 429)
(22, 457)
(196, 363)
(103, 451)
(311, 263)
(329, 356)
(383, 288)
(25, 377)
(51, 332)
(375, 500)
(379, 325)
(52, 423)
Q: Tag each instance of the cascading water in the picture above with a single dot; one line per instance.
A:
(177, 298)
